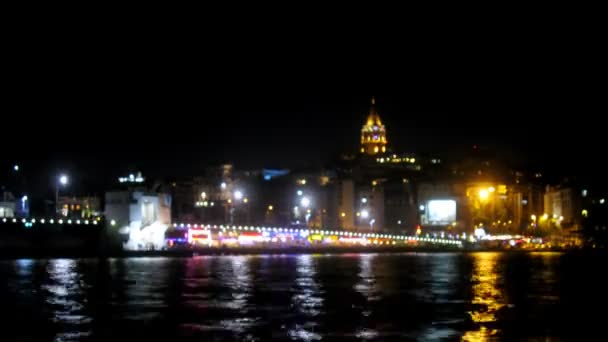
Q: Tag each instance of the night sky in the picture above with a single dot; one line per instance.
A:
(97, 134)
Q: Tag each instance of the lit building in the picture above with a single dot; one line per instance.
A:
(373, 133)
(141, 217)
(79, 207)
(7, 205)
(562, 205)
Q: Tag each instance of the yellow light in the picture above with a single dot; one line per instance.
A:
(229, 201)
(270, 208)
(362, 150)
(585, 213)
(491, 189)
(374, 183)
(413, 160)
(343, 214)
(533, 217)
(484, 194)
(246, 200)
(383, 147)
(358, 214)
(545, 217)
(502, 189)
(376, 149)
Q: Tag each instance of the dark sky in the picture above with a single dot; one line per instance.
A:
(98, 133)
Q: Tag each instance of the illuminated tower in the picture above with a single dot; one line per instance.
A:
(373, 133)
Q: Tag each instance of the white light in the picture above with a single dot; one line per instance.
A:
(203, 195)
(52, 221)
(364, 200)
(69, 221)
(238, 195)
(223, 185)
(300, 193)
(305, 202)
(442, 211)
(365, 214)
(422, 208)
(63, 180)
(113, 223)
(602, 201)
(24, 198)
(480, 233)
(16, 167)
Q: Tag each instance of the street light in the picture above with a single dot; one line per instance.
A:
(365, 214)
(63, 180)
(16, 168)
(305, 202)
(484, 194)
(238, 195)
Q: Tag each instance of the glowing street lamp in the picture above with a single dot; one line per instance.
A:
(305, 202)
(484, 194)
(63, 181)
(238, 195)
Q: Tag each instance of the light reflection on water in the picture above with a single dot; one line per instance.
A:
(488, 296)
(307, 300)
(64, 295)
(291, 298)
(367, 286)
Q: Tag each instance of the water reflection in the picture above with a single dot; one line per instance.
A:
(217, 292)
(64, 296)
(145, 287)
(367, 286)
(476, 297)
(307, 300)
(488, 296)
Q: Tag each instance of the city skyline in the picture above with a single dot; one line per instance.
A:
(255, 132)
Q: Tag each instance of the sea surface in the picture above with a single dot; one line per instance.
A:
(358, 297)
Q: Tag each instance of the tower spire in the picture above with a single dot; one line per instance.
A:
(373, 133)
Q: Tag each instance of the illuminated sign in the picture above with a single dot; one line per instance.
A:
(441, 212)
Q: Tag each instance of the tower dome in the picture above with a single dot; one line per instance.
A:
(373, 133)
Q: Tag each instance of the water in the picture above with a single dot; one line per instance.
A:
(401, 297)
